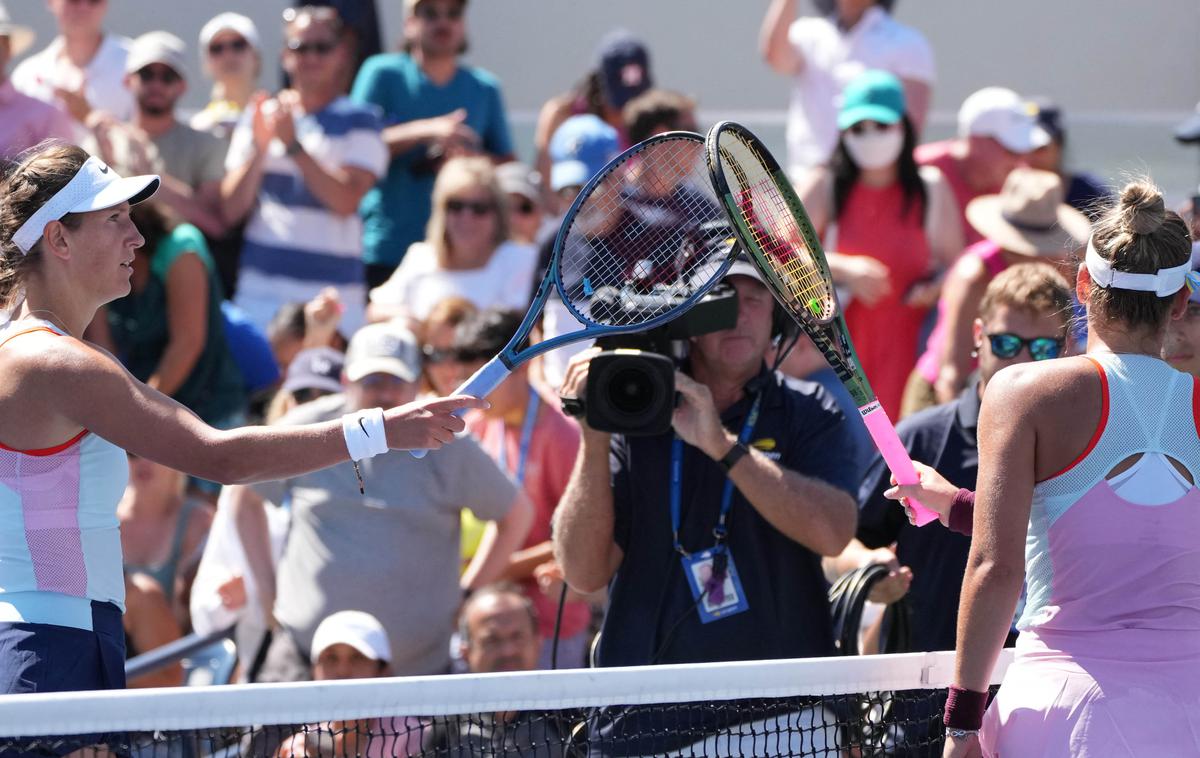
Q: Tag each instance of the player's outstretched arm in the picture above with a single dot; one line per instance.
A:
(89, 388)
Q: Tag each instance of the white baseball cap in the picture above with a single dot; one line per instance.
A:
(157, 47)
(95, 187)
(1002, 114)
(358, 629)
(232, 22)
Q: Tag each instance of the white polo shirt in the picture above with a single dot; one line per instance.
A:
(39, 74)
(833, 57)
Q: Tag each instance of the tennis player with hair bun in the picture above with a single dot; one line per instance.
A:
(1089, 465)
(69, 412)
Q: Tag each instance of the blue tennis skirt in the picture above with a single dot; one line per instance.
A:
(51, 658)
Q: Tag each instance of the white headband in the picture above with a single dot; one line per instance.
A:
(93, 188)
(1166, 281)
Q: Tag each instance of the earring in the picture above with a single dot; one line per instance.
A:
(975, 352)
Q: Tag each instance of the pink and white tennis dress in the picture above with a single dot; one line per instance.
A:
(1108, 660)
(62, 590)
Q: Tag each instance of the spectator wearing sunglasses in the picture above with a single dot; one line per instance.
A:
(467, 251)
(1028, 219)
(889, 228)
(298, 166)
(1024, 316)
(192, 160)
(232, 56)
(442, 368)
(82, 69)
(525, 211)
(435, 109)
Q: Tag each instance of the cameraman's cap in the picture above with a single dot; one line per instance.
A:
(386, 348)
(624, 65)
(580, 147)
(1001, 114)
(157, 47)
(358, 629)
(742, 266)
(317, 368)
(94, 188)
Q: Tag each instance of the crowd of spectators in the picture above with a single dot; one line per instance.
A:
(364, 235)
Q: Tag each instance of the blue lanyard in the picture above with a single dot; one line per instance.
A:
(526, 438)
(719, 531)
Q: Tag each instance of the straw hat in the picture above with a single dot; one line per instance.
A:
(1029, 216)
(19, 37)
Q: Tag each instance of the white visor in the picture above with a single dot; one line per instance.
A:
(94, 188)
(1164, 282)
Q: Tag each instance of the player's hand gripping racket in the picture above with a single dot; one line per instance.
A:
(774, 228)
(645, 239)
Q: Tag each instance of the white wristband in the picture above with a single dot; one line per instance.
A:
(364, 433)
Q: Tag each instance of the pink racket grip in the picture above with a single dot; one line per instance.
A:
(894, 454)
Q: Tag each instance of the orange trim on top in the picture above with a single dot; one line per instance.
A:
(1099, 427)
(30, 330)
(43, 451)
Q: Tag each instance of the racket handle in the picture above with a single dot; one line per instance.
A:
(894, 455)
(481, 384)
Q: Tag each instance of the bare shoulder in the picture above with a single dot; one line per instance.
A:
(1042, 386)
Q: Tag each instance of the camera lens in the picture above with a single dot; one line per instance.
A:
(632, 389)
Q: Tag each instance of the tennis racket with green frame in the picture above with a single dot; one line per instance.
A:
(773, 227)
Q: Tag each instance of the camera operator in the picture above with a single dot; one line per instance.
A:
(712, 535)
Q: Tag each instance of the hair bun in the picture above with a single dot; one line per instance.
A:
(1142, 207)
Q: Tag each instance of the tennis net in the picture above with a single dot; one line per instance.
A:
(864, 706)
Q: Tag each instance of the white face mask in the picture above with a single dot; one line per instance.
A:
(875, 149)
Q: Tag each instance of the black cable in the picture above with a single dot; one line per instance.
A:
(562, 600)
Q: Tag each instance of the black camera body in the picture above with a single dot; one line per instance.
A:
(631, 383)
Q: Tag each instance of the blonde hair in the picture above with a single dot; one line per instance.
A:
(1138, 235)
(460, 174)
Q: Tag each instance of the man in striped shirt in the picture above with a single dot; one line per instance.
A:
(299, 164)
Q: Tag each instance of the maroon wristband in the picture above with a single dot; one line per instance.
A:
(962, 512)
(964, 708)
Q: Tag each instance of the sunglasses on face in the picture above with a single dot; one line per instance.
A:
(86, 2)
(319, 47)
(438, 355)
(308, 394)
(478, 207)
(233, 45)
(866, 127)
(429, 13)
(524, 206)
(165, 75)
(1007, 345)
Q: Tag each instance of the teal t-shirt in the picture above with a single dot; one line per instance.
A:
(395, 212)
(214, 389)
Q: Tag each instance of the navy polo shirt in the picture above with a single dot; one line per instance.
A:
(942, 437)
(651, 603)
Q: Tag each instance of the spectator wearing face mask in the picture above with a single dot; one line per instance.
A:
(893, 227)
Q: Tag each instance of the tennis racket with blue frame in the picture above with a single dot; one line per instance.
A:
(771, 224)
(645, 239)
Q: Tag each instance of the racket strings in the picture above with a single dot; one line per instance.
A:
(650, 232)
(773, 227)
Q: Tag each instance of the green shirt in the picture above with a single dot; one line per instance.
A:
(214, 388)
